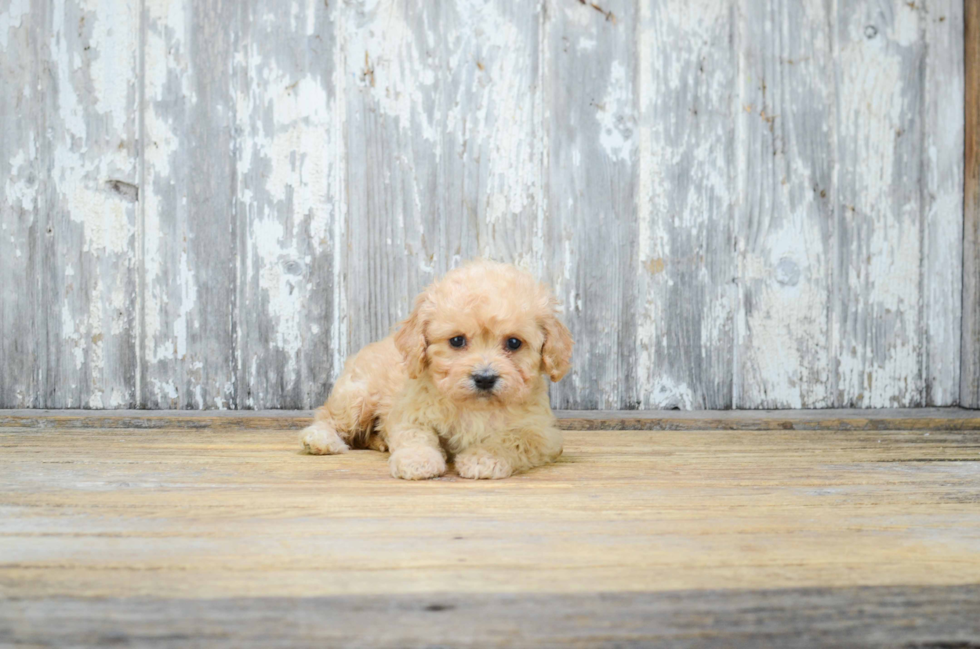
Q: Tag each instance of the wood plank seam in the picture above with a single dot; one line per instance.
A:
(946, 419)
(970, 354)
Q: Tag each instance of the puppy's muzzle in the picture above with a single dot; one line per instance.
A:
(484, 380)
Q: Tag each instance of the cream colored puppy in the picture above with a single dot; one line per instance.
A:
(463, 378)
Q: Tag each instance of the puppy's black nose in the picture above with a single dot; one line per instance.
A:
(485, 379)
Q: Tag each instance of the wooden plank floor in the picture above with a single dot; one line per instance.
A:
(224, 535)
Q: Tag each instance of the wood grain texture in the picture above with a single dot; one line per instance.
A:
(942, 200)
(191, 228)
(442, 156)
(21, 202)
(970, 356)
(878, 216)
(685, 203)
(785, 230)
(827, 532)
(589, 69)
(923, 419)
(817, 617)
(391, 162)
(288, 209)
(742, 203)
(88, 153)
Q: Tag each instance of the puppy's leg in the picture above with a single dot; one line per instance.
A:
(377, 443)
(510, 452)
(358, 403)
(485, 462)
(340, 421)
(321, 437)
(415, 453)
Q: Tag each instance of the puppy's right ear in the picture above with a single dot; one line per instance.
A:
(410, 339)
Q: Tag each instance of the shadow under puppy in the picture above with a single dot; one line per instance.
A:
(463, 378)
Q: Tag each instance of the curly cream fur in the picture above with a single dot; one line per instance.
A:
(414, 393)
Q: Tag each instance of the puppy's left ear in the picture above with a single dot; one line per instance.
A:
(410, 339)
(556, 354)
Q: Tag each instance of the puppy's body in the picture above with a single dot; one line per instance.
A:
(464, 378)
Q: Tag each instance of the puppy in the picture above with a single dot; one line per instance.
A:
(463, 378)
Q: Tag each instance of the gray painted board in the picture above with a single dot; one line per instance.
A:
(191, 247)
(685, 201)
(881, 616)
(442, 112)
(942, 196)
(878, 218)
(20, 168)
(70, 150)
(287, 205)
(89, 154)
(785, 228)
(589, 76)
(740, 203)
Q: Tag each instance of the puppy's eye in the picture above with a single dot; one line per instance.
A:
(457, 341)
(513, 344)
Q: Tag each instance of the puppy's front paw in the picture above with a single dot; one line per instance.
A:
(322, 439)
(480, 464)
(417, 463)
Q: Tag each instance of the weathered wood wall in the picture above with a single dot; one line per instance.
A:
(970, 369)
(741, 203)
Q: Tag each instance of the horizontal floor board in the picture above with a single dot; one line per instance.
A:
(945, 617)
(228, 535)
(118, 512)
(883, 419)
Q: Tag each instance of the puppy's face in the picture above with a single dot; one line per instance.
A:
(484, 334)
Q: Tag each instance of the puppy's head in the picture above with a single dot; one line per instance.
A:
(484, 334)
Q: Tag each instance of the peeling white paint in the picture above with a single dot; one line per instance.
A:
(615, 115)
(906, 28)
(785, 335)
(69, 109)
(476, 98)
(786, 193)
(120, 309)
(298, 150)
(667, 394)
(165, 390)
(118, 398)
(91, 136)
(96, 346)
(388, 64)
(71, 336)
(943, 235)
(286, 164)
(494, 113)
(878, 363)
(339, 339)
(188, 304)
(106, 219)
(12, 18)
(286, 297)
(19, 189)
(683, 200)
(165, 60)
(113, 51)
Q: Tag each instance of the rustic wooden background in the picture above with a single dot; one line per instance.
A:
(741, 203)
